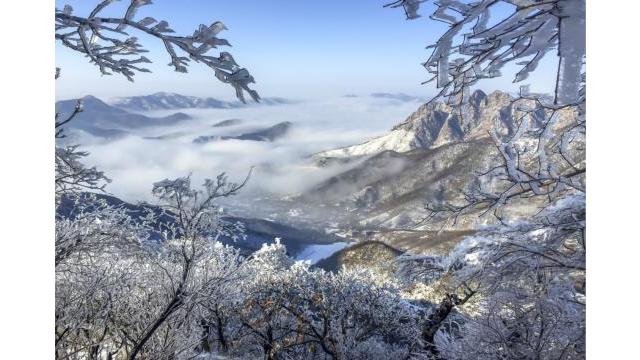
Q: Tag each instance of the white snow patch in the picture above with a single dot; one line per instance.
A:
(397, 140)
(315, 253)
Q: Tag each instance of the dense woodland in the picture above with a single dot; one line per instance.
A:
(158, 285)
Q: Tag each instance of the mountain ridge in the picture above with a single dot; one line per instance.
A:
(269, 134)
(106, 121)
(437, 123)
(174, 101)
(432, 157)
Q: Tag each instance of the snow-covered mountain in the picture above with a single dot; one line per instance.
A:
(437, 123)
(173, 101)
(432, 157)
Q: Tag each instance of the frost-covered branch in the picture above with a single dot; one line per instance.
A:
(472, 50)
(194, 212)
(515, 290)
(543, 159)
(107, 44)
(72, 176)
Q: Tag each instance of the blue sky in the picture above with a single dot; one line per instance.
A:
(299, 49)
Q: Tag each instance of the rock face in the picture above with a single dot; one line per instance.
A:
(103, 120)
(437, 123)
(389, 190)
(433, 157)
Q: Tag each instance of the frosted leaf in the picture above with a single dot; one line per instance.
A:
(147, 21)
(410, 7)
(162, 26)
(217, 27)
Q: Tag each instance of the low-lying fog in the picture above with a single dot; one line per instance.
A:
(282, 167)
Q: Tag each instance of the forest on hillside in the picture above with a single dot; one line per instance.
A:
(460, 234)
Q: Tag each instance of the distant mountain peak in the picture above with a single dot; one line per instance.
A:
(169, 101)
(396, 96)
(268, 134)
(477, 97)
(228, 122)
(109, 122)
(163, 100)
(164, 93)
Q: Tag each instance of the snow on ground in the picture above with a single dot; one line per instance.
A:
(315, 253)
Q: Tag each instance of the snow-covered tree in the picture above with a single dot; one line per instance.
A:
(71, 175)
(290, 310)
(192, 212)
(515, 290)
(544, 156)
(519, 286)
(124, 295)
(120, 294)
(86, 224)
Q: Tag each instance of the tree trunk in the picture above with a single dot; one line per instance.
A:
(173, 305)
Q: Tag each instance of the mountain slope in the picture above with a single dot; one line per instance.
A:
(389, 190)
(257, 231)
(228, 122)
(437, 123)
(433, 157)
(103, 120)
(374, 255)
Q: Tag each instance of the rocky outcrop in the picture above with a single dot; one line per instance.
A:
(438, 123)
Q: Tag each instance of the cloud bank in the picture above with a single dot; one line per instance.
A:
(282, 167)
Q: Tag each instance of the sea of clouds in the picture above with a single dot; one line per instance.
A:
(281, 167)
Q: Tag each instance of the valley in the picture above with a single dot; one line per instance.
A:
(332, 202)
